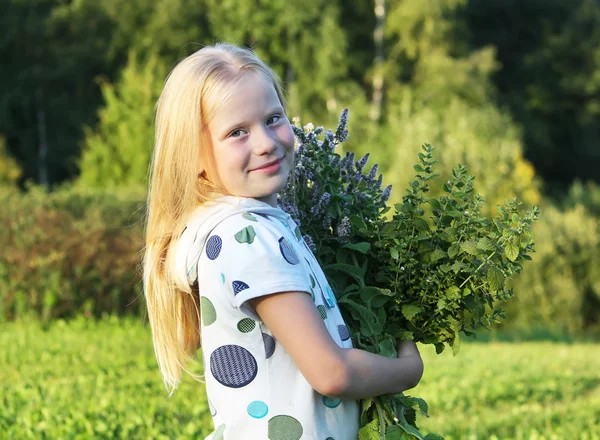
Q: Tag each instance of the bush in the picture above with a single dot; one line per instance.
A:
(560, 290)
(69, 252)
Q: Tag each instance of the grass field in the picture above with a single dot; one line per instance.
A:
(99, 380)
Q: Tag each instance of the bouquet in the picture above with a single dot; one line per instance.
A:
(428, 269)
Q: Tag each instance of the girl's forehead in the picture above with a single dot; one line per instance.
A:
(250, 97)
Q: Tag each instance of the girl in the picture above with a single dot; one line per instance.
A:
(226, 269)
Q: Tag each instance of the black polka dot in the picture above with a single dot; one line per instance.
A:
(233, 366)
(238, 286)
(213, 247)
(288, 251)
(269, 342)
(344, 333)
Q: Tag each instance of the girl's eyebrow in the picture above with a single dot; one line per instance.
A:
(277, 109)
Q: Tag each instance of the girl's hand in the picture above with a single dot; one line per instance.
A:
(406, 348)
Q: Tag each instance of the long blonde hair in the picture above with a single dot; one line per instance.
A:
(182, 155)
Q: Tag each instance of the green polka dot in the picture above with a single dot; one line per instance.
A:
(322, 311)
(258, 409)
(246, 235)
(331, 402)
(312, 281)
(298, 233)
(223, 278)
(218, 435)
(329, 438)
(284, 428)
(249, 216)
(209, 314)
(246, 325)
(312, 294)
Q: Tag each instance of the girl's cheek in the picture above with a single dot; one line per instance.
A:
(288, 135)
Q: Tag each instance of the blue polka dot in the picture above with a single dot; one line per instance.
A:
(223, 278)
(258, 409)
(331, 402)
(238, 286)
(233, 366)
(213, 247)
(344, 333)
(269, 342)
(287, 251)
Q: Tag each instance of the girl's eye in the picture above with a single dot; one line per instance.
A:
(276, 117)
(233, 133)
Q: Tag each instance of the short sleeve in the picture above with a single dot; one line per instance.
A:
(256, 256)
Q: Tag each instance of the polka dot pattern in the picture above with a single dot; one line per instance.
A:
(207, 309)
(331, 402)
(246, 325)
(223, 278)
(233, 366)
(322, 311)
(246, 235)
(344, 333)
(238, 286)
(284, 428)
(298, 234)
(269, 343)
(258, 409)
(287, 251)
(249, 216)
(213, 247)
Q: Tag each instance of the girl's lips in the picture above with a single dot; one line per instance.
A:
(270, 167)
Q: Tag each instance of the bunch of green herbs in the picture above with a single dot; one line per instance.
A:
(427, 269)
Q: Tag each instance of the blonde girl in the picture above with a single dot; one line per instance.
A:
(226, 269)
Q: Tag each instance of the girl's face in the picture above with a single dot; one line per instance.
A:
(253, 142)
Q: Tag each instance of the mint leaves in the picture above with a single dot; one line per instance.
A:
(426, 269)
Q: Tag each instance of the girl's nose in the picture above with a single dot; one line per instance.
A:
(264, 142)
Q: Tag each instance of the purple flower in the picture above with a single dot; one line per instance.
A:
(348, 162)
(310, 243)
(372, 173)
(299, 133)
(341, 133)
(344, 228)
(321, 207)
(362, 162)
(386, 193)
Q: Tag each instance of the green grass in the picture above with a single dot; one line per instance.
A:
(86, 379)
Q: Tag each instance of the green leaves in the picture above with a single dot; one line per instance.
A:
(485, 244)
(424, 269)
(511, 251)
(470, 247)
(410, 311)
(362, 247)
(495, 278)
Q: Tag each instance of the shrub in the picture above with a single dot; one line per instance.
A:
(69, 251)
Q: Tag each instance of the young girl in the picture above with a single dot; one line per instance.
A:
(226, 269)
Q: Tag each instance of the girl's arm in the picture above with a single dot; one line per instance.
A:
(331, 370)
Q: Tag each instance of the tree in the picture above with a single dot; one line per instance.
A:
(439, 92)
(549, 51)
(118, 151)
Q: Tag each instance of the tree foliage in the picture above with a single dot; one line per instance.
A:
(118, 152)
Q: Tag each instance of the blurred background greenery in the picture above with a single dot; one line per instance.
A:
(510, 88)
